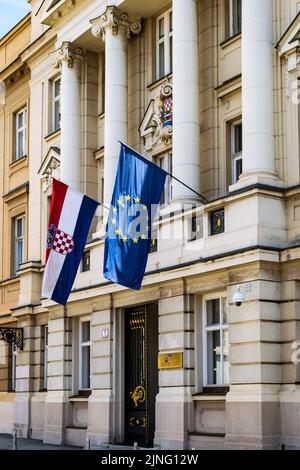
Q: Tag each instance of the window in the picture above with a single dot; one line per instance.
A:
(164, 44)
(153, 244)
(45, 358)
(165, 162)
(13, 372)
(196, 227)
(56, 104)
(20, 126)
(84, 356)
(18, 243)
(86, 261)
(216, 364)
(235, 17)
(237, 151)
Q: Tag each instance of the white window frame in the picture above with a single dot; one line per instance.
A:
(13, 367)
(167, 190)
(206, 329)
(232, 19)
(166, 40)
(83, 344)
(55, 99)
(22, 130)
(46, 344)
(17, 239)
(235, 156)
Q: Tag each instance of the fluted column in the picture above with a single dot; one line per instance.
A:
(257, 81)
(114, 27)
(68, 58)
(186, 117)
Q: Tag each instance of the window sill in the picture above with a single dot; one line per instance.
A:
(209, 397)
(52, 135)
(159, 81)
(78, 399)
(83, 395)
(18, 161)
(213, 393)
(231, 40)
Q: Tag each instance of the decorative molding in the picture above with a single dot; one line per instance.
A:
(66, 53)
(2, 93)
(113, 19)
(157, 123)
(50, 168)
(16, 76)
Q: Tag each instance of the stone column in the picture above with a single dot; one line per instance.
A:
(186, 117)
(68, 58)
(59, 376)
(174, 404)
(257, 94)
(115, 28)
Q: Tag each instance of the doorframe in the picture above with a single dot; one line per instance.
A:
(119, 374)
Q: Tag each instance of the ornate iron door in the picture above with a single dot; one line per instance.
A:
(141, 374)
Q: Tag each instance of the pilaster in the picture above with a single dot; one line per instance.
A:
(174, 405)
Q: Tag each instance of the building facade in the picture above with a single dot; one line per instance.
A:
(205, 355)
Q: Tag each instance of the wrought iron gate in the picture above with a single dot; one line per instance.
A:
(141, 375)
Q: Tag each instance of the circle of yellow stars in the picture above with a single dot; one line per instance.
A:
(121, 202)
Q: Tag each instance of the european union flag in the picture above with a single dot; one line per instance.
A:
(138, 187)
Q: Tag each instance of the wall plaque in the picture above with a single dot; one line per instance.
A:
(170, 361)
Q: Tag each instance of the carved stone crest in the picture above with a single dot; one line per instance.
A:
(157, 123)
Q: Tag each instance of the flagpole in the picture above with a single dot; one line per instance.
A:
(204, 200)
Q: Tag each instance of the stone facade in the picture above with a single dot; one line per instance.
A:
(112, 72)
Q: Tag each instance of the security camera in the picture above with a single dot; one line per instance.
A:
(238, 298)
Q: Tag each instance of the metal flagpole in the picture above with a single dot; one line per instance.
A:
(204, 200)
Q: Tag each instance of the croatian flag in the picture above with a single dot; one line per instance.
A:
(71, 214)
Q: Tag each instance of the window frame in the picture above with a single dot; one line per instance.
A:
(196, 235)
(216, 327)
(16, 239)
(45, 357)
(235, 156)
(167, 40)
(86, 267)
(167, 192)
(83, 344)
(21, 130)
(233, 29)
(54, 99)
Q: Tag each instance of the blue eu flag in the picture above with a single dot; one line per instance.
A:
(138, 187)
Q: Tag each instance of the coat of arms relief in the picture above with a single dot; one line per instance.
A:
(157, 123)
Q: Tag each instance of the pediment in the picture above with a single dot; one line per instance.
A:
(52, 10)
(290, 40)
(50, 167)
(44, 6)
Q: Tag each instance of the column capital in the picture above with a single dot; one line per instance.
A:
(67, 53)
(113, 19)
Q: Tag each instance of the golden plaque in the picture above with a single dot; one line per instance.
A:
(170, 361)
